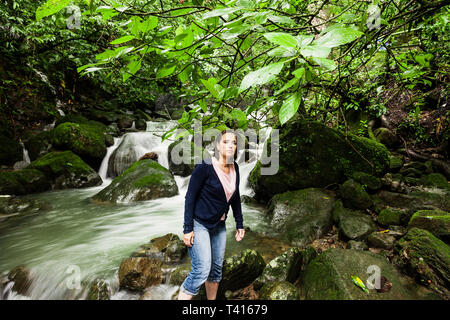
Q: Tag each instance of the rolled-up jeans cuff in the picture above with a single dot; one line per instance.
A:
(182, 288)
(214, 280)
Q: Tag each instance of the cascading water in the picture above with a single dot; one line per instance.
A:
(77, 242)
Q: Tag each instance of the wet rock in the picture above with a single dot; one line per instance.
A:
(306, 216)
(168, 248)
(140, 273)
(352, 224)
(328, 277)
(144, 180)
(285, 267)
(178, 276)
(99, 290)
(25, 181)
(386, 137)
(357, 245)
(354, 196)
(240, 270)
(11, 206)
(393, 216)
(279, 290)
(395, 163)
(66, 170)
(381, 240)
(141, 124)
(435, 180)
(22, 279)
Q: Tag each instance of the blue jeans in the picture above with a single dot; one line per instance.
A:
(207, 254)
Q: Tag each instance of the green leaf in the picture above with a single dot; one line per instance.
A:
(282, 39)
(107, 12)
(315, 51)
(240, 116)
(338, 36)
(164, 72)
(148, 24)
(122, 39)
(281, 19)
(326, 63)
(298, 74)
(210, 86)
(261, 76)
(281, 52)
(289, 108)
(220, 12)
(50, 7)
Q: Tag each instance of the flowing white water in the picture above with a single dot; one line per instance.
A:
(77, 242)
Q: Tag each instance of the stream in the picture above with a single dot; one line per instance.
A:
(76, 242)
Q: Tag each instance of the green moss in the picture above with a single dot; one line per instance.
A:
(56, 163)
(393, 216)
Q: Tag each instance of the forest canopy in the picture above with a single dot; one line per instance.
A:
(273, 60)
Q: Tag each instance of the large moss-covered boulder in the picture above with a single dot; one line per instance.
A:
(144, 180)
(436, 180)
(435, 221)
(10, 151)
(329, 277)
(279, 290)
(87, 141)
(182, 158)
(66, 170)
(314, 155)
(285, 267)
(301, 216)
(425, 256)
(23, 181)
(140, 273)
(240, 270)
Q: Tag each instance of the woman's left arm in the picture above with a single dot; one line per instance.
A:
(237, 210)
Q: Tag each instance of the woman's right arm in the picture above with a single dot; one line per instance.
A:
(198, 177)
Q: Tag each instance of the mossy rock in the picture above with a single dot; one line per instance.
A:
(99, 290)
(23, 181)
(86, 141)
(395, 163)
(386, 137)
(10, 151)
(381, 240)
(354, 195)
(436, 180)
(285, 267)
(393, 216)
(182, 159)
(301, 216)
(139, 273)
(279, 290)
(240, 270)
(413, 201)
(66, 170)
(426, 257)
(178, 276)
(314, 155)
(144, 180)
(372, 183)
(168, 248)
(21, 276)
(329, 277)
(435, 221)
(355, 225)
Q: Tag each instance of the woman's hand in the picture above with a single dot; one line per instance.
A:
(188, 239)
(239, 234)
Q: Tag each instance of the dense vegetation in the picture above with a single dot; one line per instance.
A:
(237, 60)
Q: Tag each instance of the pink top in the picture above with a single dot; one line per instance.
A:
(228, 180)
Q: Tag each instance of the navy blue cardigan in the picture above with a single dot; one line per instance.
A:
(206, 200)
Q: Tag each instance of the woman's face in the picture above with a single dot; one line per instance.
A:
(227, 145)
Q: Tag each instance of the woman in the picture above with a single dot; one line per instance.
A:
(213, 187)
